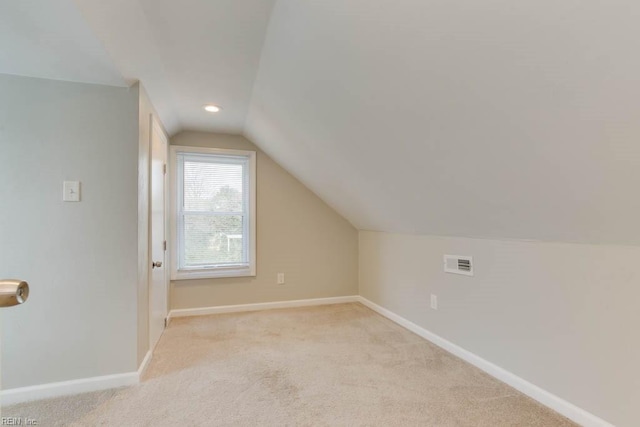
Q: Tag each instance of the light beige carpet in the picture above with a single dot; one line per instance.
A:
(339, 365)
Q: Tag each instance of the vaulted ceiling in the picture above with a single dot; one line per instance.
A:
(50, 39)
(187, 53)
(488, 118)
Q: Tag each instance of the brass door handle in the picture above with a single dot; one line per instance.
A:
(157, 264)
(13, 292)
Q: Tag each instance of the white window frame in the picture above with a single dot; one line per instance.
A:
(176, 243)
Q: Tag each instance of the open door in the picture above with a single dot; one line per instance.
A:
(158, 275)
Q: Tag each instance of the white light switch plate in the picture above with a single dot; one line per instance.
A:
(71, 191)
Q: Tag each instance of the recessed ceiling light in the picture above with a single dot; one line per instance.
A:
(212, 108)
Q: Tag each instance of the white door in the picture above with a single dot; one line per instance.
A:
(158, 276)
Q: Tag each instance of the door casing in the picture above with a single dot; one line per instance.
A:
(158, 277)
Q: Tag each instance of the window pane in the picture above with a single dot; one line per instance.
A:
(210, 240)
(213, 187)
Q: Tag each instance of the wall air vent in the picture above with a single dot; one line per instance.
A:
(458, 264)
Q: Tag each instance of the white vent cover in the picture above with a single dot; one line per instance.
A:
(458, 264)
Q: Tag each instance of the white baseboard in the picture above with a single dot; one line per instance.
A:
(144, 364)
(552, 401)
(186, 312)
(66, 388)
(46, 391)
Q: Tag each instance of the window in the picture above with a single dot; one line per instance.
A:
(213, 227)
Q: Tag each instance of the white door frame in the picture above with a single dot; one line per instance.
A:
(155, 127)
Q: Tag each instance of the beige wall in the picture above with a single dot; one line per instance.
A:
(297, 234)
(562, 316)
(79, 258)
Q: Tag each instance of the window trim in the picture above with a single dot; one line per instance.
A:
(212, 272)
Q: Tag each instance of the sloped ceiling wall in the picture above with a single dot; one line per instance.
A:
(50, 39)
(490, 119)
(186, 53)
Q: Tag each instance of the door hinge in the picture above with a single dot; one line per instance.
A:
(164, 168)
(164, 245)
(166, 322)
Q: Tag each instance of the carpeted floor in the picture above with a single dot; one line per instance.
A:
(333, 365)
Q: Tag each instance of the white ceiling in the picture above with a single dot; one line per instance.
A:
(491, 119)
(186, 53)
(49, 39)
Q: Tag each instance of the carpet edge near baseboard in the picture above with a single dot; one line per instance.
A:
(563, 407)
(84, 385)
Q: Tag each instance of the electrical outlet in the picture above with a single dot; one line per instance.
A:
(434, 301)
(280, 278)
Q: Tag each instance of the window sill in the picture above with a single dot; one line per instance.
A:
(217, 273)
